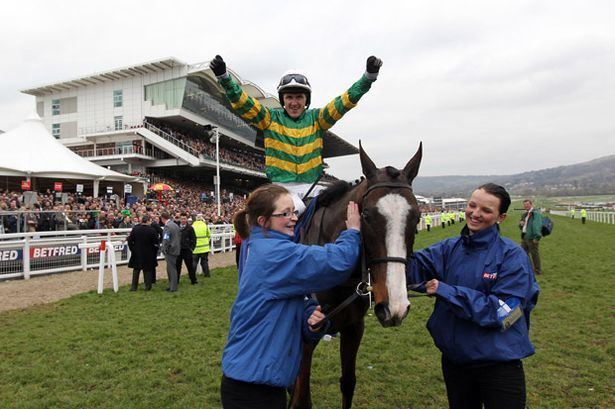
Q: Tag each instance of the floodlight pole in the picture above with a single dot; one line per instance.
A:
(217, 138)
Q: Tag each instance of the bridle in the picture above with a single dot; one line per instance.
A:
(364, 287)
(366, 264)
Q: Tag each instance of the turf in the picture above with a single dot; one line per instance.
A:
(163, 350)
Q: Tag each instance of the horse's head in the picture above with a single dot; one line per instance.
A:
(389, 214)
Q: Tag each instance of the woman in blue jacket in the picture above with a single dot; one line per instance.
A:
(270, 315)
(485, 290)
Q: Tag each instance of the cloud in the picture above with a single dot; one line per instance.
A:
(489, 87)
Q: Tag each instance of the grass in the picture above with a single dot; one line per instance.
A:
(161, 350)
(564, 202)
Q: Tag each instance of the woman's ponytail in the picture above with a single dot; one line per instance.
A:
(240, 221)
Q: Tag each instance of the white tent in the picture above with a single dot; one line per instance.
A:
(31, 151)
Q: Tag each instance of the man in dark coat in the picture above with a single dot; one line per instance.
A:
(143, 244)
(188, 243)
(156, 225)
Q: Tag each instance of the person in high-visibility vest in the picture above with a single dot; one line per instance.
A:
(451, 217)
(428, 222)
(201, 251)
(443, 218)
(583, 215)
(461, 216)
(572, 212)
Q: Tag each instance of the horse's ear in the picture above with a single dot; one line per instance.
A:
(368, 167)
(412, 167)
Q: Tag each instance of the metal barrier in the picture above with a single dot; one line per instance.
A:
(48, 220)
(600, 217)
(29, 254)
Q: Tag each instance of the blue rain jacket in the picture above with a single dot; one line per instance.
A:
(269, 316)
(476, 272)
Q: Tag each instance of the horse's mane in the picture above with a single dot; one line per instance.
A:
(334, 192)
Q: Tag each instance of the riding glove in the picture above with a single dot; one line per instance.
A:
(373, 67)
(218, 66)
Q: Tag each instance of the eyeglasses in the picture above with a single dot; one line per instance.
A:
(297, 78)
(286, 215)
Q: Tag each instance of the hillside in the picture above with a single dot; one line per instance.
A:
(594, 177)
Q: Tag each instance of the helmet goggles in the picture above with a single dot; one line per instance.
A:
(296, 80)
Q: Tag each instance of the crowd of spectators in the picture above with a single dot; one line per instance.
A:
(80, 212)
(230, 155)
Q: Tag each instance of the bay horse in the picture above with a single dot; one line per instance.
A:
(389, 216)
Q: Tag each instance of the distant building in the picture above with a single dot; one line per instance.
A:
(454, 203)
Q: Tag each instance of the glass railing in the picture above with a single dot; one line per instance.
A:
(166, 136)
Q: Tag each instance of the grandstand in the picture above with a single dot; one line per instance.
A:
(155, 119)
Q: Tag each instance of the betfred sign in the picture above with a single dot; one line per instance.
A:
(57, 186)
(25, 185)
(37, 253)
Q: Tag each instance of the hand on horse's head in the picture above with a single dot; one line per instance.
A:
(353, 217)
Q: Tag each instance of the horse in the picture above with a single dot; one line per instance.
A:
(389, 216)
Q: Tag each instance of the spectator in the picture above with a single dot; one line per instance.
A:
(188, 243)
(531, 233)
(171, 246)
(201, 251)
(143, 244)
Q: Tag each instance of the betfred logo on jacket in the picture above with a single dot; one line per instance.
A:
(490, 276)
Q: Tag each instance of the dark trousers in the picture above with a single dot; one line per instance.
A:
(244, 395)
(532, 250)
(204, 259)
(583, 220)
(497, 386)
(237, 253)
(429, 227)
(147, 278)
(185, 255)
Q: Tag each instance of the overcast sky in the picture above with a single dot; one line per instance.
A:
(490, 87)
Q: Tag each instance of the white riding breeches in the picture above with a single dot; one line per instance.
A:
(298, 190)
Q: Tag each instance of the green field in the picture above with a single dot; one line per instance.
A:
(564, 202)
(162, 350)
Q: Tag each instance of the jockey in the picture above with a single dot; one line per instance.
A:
(293, 135)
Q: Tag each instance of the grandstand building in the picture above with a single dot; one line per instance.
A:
(157, 118)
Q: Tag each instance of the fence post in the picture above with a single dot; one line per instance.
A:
(26, 258)
(84, 254)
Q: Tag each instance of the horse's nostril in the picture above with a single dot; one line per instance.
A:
(382, 312)
(406, 313)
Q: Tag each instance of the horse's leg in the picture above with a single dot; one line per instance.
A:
(301, 397)
(350, 339)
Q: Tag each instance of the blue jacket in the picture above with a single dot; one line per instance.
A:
(475, 273)
(269, 316)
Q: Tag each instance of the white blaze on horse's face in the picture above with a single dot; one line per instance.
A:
(395, 208)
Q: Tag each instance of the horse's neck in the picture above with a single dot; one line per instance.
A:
(334, 220)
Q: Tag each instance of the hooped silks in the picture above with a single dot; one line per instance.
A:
(293, 147)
